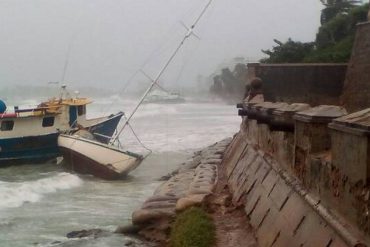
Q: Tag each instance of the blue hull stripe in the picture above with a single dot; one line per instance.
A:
(45, 147)
(29, 148)
(106, 128)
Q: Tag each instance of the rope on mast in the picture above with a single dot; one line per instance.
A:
(140, 142)
(155, 81)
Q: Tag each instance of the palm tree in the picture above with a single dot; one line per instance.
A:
(335, 7)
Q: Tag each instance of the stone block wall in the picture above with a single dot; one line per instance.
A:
(315, 84)
(350, 172)
(310, 139)
(315, 196)
(280, 210)
(357, 82)
(309, 187)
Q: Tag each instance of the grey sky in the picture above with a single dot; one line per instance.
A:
(110, 39)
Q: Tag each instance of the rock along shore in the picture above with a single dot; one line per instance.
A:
(186, 187)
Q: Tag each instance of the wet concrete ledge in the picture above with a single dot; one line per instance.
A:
(281, 210)
(285, 182)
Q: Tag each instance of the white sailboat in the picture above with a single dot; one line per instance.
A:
(85, 155)
(160, 96)
(109, 161)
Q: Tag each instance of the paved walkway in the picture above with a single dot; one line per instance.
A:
(232, 227)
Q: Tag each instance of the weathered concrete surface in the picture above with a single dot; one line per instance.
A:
(312, 137)
(351, 163)
(190, 186)
(315, 84)
(356, 87)
(280, 210)
(325, 171)
(231, 221)
(308, 187)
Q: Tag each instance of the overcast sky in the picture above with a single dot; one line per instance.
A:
(110, 39)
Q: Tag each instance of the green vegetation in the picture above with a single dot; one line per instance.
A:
(337, 53)
(336, 7)
(230, 84)
(289, 52)
(334, 40)
(192, 227)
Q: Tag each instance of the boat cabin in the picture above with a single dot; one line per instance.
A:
(48, 117)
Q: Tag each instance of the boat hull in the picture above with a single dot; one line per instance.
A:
(90, 157)
(30, 149)
(38, 148)
(106, 128)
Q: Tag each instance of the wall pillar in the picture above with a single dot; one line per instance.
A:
(356, 91)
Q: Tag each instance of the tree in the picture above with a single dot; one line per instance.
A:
(335, 38)
(333, 43)
(335, 7)
(288, 52)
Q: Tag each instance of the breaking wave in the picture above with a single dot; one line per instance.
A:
(15, 194)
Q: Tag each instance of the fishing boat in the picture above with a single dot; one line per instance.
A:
(30, 134)
(108, 161)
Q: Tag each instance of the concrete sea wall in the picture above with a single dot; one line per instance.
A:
(300, 171)
(356, 87)
(302, 187)
(303, 173)
(315, 84)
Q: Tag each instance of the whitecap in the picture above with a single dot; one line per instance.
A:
(15, 194)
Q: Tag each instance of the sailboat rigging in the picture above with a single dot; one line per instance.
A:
(85, 155)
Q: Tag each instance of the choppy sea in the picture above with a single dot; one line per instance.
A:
(41, 203)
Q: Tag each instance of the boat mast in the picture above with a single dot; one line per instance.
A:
(66, 61)
(155, 81)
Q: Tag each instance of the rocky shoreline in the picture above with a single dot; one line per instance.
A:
(200, 181)
(186, 187)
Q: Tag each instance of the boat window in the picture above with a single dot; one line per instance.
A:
(81, 110)
(48, 121)
(7, 125)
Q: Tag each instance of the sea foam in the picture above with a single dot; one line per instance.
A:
(15, 194)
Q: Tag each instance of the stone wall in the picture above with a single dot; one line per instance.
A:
(309, 187)
(303, 176)
(357, 83)
(315, 84)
